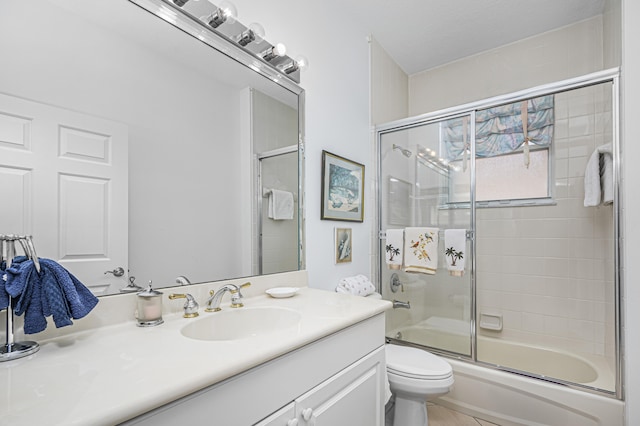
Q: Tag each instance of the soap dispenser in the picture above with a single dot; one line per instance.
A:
(149, 312)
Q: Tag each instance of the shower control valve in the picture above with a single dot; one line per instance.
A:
(395, 283)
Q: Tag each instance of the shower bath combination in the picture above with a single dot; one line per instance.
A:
(536, 257)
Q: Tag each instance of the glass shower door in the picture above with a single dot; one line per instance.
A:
(425, 225)
(278, 233)
(546, 286)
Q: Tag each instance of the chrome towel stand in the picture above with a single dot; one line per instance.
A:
(11, 349)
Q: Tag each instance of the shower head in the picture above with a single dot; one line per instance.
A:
(405, 152)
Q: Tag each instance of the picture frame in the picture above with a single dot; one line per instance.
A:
(343, 245)
(342, 189)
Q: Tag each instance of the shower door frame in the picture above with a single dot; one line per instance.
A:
(612, 76)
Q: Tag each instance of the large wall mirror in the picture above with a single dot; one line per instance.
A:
(127, 141)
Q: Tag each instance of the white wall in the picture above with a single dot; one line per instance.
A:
(556, 55)
(337, 116)
(389, 87)
(631, 212)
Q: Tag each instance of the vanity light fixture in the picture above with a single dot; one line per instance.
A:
(226, 12)
(250, 38)
(254, 32)
(273, 52)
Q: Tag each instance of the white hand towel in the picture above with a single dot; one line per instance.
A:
(358, 286)
(598, 177)
(280, 205)
(455, 246)
(421, 250)
(393, 248)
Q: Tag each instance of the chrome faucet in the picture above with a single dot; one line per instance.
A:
(213, 303)
(182, 280)
(399, 304)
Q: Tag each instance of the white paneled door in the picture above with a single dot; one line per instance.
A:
(64, 180)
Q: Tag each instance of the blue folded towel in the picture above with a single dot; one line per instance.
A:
(17, 275)
(54, 292)
(12, 280)
(4, 296)
(29, 302)
(79, 298)
(54, 303)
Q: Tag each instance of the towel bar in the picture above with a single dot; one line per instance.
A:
(469, 234)
(267, 191)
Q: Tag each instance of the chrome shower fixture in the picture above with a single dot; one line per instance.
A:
(405, 152)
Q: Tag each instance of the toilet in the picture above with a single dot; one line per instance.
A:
(415, 376)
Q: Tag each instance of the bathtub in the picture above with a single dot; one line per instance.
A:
(509, 399)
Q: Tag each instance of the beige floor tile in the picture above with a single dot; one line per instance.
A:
(485, 423)
(442, 416)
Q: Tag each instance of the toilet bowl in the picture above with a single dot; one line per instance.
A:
(415, 376)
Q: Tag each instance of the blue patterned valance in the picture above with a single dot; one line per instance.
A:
(499, 130)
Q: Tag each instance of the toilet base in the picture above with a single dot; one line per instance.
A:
(410, 412)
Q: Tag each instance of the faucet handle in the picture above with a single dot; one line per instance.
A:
(236, 295)
(190, 306)
(239, 287)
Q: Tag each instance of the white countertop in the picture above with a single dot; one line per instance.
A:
(109, 374)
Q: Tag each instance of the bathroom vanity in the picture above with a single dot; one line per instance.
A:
(323, 365)
(336, 380)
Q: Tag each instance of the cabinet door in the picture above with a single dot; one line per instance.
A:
(353, 397)
(283, 417)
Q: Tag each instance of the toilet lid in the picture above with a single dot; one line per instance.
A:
(416, 363)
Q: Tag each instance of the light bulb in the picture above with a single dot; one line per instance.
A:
(302, 62)
(258, 31)
(280, 49)
(229, 11)
(273, 52)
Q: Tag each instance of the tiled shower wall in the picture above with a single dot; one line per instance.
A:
(549, 270)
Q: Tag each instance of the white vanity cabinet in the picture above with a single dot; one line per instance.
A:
(336, 380)
(351, 397)
(286, 416)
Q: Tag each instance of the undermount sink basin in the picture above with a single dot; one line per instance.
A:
(241, 323)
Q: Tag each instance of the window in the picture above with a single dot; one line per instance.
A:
(513, 160)
(504, 179)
